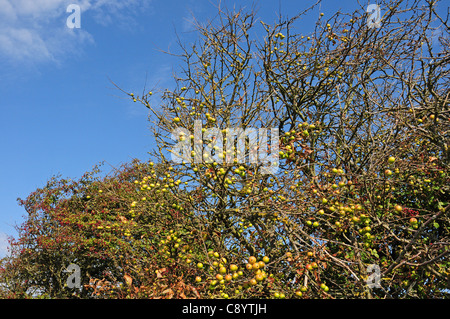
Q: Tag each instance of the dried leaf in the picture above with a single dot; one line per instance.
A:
(128, 280)
(169, 292)
(123, 219)
(159, 272)
(195, 292)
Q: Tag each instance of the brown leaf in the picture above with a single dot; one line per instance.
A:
(195, 291)
(169, 293)
(159, 272)
(123, 219)
(128, 279)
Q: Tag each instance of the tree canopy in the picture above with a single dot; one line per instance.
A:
(287, 165)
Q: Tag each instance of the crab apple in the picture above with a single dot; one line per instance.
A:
(252, 259)
(199, 265)
(266, 259)
(398, 208)
(253, 282)
(308, 266)
(228, 277)
(388, 172)
(219, 277)
(198, 279)
(248, 266)
(413, 221)
(233, 267)
(261, 264)
(391, 159)
(176, 119)
(255, 266)
(259, 277)
(298, 293)
(222, 270)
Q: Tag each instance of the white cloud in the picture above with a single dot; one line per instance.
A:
(36, 31)
(3, 245)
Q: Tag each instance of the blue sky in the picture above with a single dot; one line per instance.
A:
(60, 113)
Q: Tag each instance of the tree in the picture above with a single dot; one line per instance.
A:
(351, 174)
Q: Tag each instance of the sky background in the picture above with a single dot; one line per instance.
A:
(60, 114)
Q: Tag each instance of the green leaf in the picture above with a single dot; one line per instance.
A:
(375, 253)
(436, 225)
